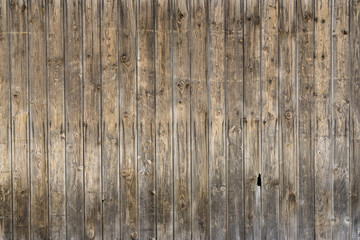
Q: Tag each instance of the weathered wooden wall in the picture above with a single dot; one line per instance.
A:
(180, 119)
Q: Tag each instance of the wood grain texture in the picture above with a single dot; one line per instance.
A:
(74, 120)
(128, 117)
(92, 119)
(110, 121)
(56, 120)
(234, 70)
(199, 121)
(163, 109)
(20, 118)
(146, 128)
(181, 63)
(38, 120)
(5, 128)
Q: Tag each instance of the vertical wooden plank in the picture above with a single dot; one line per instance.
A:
(92, 120)
(128, 139)
(74, 120)
(38, 120)
(5, 127)
(355, 119)
(341, 119)
(270, 119)
(217, 158)
(20, 119)
(306, 51)
(110, 121)
(146, 119)
(199, 121)
(252, 117)
(163, 93)
(288, 118)
(323, 120)
(234, 75)
(181, 118)
(56, 120)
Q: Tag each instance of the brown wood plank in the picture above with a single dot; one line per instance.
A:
(323, 120)
(341, 119)
(270, 120)
(306, 85)
(74, 120)
(5, 127)
(128, 134)
(355, 119)
(146, 119)
(38, 120)
(252, 118)
(163, 108)
(288, 118)
(181, 118)
(92, 120)
(110, 121)
(217, 150)
(20, 119)
(56, 120)
(199, 120)
(234, 75)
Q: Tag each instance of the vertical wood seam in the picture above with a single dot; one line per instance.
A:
(47, 116)
(65, 115)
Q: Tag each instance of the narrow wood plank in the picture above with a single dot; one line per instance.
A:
(163, 93)
(128, 135)
(74, 120)
(323, 120)
(146, 119)
(5, 127)
(270, 120)
(306, 85)
(92, 120)
(288, 118)
(20, 119)
(56, 120)
(355, 119)
(217, 158)
(199, 121)
(252, 118)
(110, 121)
(341, 63)
(234, 75)
(38, 120)
(181, 118)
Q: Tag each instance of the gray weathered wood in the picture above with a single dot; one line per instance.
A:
(146, 119)
(56, 120)
(92, 119)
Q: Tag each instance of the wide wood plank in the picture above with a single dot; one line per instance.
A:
(92, 119)
(163, 109)
(252, 118)
(110, 121)
(74, 120)
(355, 119)
(306, 85)
(5, 127)
(20, 118)
(216, 84)
(341, 73)
(181, 118)
(128, 117)
(38, 120)
(199, 121)
(288, 119)
(56, 120)
(270, 120)
(234, 70)
(146, 119)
